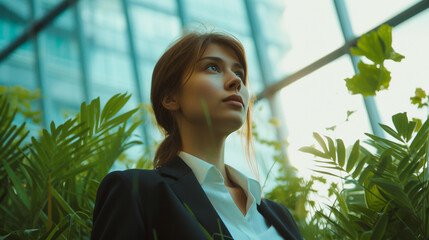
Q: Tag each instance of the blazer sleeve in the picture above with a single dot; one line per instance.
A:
(118, 212)
(287, 218)
(291, 222)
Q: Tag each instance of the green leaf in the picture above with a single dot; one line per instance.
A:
(411, 126)
(359, 167)
(114, 105)
(385, 34)
(380, 227)
(369, 80)
(419, 92)
(377, 46)
(394, 191)
(341, 152)
(374, 199)
(64, 204)
(321, 142)
(18, 185)
(314, 151)
(331, 168)
(341, 230)
(400, 121)
(391, 132)
(399, 147)
(365, 235)
(354, 156)
(326, 173)
(202, 227)
(408, 170)
(369, 45)
(344, 222)
(371, 215)
(332, 150)
(421, 137)
(349, 113)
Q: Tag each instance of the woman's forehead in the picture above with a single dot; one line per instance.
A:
(226, 53)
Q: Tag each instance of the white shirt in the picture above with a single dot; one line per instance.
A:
(253, 225)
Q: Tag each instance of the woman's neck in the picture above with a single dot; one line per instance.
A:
(208, 147)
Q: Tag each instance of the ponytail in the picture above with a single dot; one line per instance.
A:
(168, 149)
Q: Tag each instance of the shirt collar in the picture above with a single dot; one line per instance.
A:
(207, 173)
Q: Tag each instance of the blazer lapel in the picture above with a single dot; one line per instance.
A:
(273, 218)
(190, 192)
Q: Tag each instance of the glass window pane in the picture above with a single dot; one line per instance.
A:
(254, 71)
(411, 39)
(225, 14)
(106, 41)
(60, 69)
(270, 16)
(167, 5)
(151, 40)
(313, 31)
(42, 7)
(17, 10)
(367, 14)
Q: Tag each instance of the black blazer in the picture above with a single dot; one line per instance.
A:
(138, 204)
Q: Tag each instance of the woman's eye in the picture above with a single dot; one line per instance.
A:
(240, 75)
(213, 68)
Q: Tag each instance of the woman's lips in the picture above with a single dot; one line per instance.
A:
(236, 103)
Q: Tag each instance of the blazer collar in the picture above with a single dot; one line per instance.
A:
(185, 185)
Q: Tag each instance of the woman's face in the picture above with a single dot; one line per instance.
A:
(218, 83)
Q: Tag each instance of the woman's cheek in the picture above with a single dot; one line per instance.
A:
(207, 91)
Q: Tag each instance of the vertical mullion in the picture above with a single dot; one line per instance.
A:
(83, 60)
(346, 28)
(267, 77)
(38, 69)
(135, 68)
(181, 13)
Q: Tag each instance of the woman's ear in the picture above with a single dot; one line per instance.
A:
(170, 102)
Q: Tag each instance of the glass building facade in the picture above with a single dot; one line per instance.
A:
(97, 48)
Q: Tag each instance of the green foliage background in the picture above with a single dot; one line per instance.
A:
(51, 181)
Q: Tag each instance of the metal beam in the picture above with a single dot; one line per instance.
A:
(346, 28)
(394, 21)
(275, 87)
(36, 27)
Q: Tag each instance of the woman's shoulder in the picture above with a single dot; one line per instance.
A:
(278, 208)
(131, 177)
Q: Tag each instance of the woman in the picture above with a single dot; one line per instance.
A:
(199, 96)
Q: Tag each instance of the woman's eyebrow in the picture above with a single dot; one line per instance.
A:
(218, 59)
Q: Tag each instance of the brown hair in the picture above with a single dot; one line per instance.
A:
(177, 64)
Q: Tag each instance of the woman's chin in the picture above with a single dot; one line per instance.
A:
(230, 125)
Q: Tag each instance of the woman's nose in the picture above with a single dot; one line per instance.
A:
(234, 83)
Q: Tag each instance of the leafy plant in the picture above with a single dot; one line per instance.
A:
(51, 182)
(389, 197)
(393, 182)
(377, 47)
(20, 99)
(420, 98)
